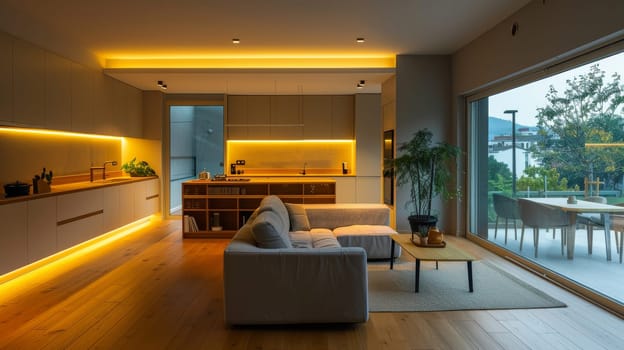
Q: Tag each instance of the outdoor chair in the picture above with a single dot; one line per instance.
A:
(592, 220)
(617, 225)
(538, 216)
(506, 208)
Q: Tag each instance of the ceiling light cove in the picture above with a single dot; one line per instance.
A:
(252, 62)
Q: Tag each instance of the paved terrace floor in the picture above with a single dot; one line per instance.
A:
(593, 271)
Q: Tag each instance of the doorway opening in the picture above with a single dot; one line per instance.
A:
(196, 144)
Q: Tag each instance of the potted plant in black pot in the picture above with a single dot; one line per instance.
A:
(426, 168)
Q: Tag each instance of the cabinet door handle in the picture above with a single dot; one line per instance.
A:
(80, 217)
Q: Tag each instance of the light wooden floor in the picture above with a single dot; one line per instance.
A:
(153, 290)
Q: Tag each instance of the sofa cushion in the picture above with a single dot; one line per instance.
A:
(298, 217)
(366, 230)
(375, 239)
(300, 239)
(322, 238)
(269, 231)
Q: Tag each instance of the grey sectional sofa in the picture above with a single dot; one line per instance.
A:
(285, 265)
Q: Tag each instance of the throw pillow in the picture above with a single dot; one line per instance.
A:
(298, 217)
(269, 231)
(275, 204)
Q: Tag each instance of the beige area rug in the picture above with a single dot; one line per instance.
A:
(447, 289)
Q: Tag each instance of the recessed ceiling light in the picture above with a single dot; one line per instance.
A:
(235, 41)
(360, 40)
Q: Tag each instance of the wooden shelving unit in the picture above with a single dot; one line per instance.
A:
(220, 208)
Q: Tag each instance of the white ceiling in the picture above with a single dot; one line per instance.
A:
(90, 32)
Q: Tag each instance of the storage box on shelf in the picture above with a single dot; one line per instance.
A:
(217, 209)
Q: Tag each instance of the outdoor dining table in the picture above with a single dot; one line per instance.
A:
(582, 206)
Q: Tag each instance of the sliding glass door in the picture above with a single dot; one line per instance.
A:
(557, 137)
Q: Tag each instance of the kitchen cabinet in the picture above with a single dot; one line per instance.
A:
(104, 119)
(328, 117)
(28, 84)
(290, 117)
(286, 123)
(146, 198)
(131, 120)
(6, 77)
(58, 102)
(41, 228)
(236, 110)
(127, 109)
(368, 133)
(258, 110)
(82, 80)
(346, 189)
(368, 189)
(342, 117)
(126, 203)
(111, 205)
(220, 208)
(358, 189)
(13, 240)
(249, 117)
(79, 217)
(153, 105)
(286, 109)
(317, 114)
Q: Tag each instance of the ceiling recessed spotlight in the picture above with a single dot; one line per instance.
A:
(235, 41)
(360, 40)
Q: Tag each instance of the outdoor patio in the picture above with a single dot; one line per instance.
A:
(593, 271)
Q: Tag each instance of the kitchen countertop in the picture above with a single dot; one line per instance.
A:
(271, 179)
(76, 187)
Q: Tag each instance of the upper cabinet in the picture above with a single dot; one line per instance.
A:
(82, 97)
(6, 77)
(285, 117)
(58, 98)
(342, 117)
(317, 117)
(28, 84)
(40, 89)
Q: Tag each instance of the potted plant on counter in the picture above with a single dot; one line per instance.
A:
(426, 169)
(138, 169)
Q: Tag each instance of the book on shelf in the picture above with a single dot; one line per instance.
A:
(189, 223)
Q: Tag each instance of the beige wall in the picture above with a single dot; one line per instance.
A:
(549, 31)
(423, 100)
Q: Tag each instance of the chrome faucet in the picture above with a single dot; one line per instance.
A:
(304, 169)
(103, 168)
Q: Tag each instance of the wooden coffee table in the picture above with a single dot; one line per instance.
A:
(449, 253)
